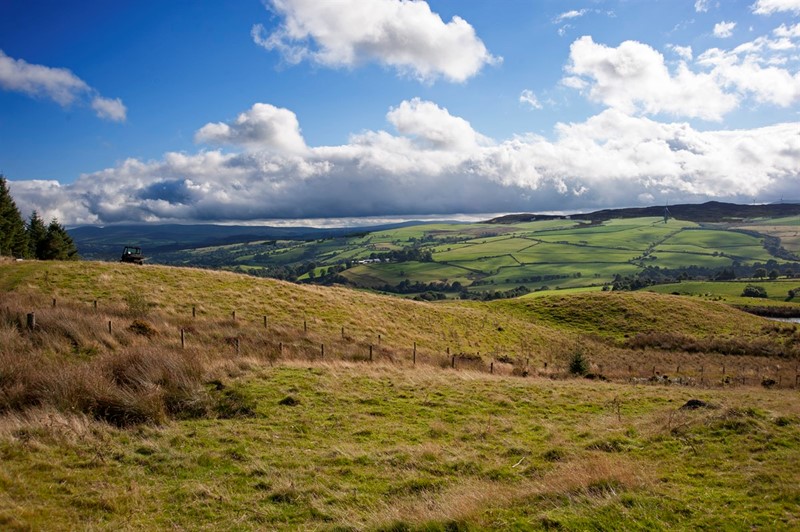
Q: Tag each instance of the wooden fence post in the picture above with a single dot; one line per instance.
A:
(414, 359)
(342, 332)
(31, 320)
(491, 367)
(379, 339)
(237, 346)
(305, 326)
(322, 350)
(453, 362)
(233, 315)
(280, 349)
(370, 352)
(54, 302)
(95, 304)
(194, 311)
(109, 326)
(265, 322)
(183, 339)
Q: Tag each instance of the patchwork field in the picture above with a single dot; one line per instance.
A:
(540, 255)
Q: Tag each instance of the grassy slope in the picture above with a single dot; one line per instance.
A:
(374, 446)
(218, 294)
(371, 448)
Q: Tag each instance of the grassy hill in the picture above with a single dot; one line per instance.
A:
(140, 400)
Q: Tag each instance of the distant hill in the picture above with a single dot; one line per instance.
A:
(712, 211)
(105, 243)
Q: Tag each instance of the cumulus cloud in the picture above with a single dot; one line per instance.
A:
(435, 162)
(633, 77)
(57, 84)
(404, 35)
(724, 29)
(760, 69)
(684, 52)
(528, 97)
(434, 126)
(767, 7)
(262, 127)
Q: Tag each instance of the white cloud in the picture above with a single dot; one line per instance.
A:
(527, 96)
(405, 35)
(790, 32)
(569, 15)
(436, 162)
(760, 69)
(767, 7)
(701, 6)
(724, 29)
(112, 109)
(684, 52)
(57, 84)
(434, 126)
(634, 78)
(262, 127)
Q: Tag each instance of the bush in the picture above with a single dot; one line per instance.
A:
(754, 291)
(578, 365)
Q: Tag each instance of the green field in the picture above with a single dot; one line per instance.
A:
(731, 291)
(483, 257)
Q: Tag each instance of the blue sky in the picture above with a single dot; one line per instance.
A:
(295, 109)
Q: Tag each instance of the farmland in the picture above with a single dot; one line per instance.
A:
(490, 257)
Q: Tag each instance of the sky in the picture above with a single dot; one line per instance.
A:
(252, 112)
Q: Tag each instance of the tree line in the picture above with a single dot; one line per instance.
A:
(31, 239)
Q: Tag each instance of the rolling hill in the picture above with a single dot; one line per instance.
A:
(155, 397)
(501, 258)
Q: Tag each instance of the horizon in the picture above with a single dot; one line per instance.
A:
(296, 111)
(366, 222)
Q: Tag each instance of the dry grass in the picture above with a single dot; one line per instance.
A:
(595, 475)
(108, 339)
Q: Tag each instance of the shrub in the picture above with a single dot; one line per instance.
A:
(754, 291)
(578, 365)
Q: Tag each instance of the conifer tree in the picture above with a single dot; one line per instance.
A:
(13, 237)
(58, 245)
(37, 234)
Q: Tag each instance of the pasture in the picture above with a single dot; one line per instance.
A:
(303, 407)
(565, 253)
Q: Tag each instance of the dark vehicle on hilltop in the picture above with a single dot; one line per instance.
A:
(132, 254)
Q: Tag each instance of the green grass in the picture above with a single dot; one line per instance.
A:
(374, 448)
(344, 444)
(375, 275)
(731, 291)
